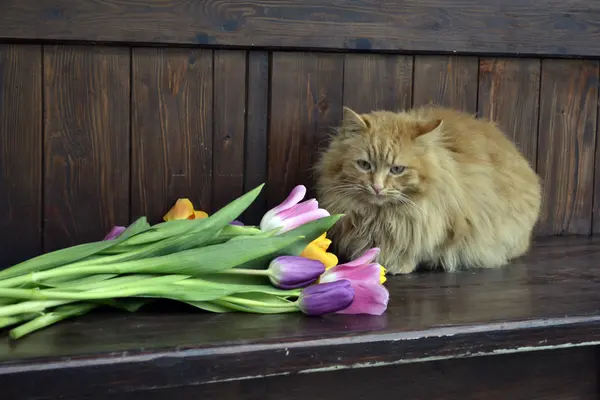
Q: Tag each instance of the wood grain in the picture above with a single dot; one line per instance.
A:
(307, 104)
(430, 316)
(515, 27)
(21, 139)
(448, 81)
(568, 111)
(377, 82)
(171, 130)
(509, 95)
(229, 126)
(559, 374)
(257, 114)
(86, 172)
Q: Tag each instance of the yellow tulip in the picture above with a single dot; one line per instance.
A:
(317, 250)
(184, 209)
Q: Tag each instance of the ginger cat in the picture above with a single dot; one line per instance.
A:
(429, 186)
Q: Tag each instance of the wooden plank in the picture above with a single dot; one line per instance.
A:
(171, 129)
(449, 81)
(568, 111)
(21, 139)
(515, 27)
(307, 103)
(257, 113)
(509, 95)
(86, 172)
(377, 82)
(556, 374)
(229, 126)
(110, 352)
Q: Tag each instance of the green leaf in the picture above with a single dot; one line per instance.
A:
(209, 306)
(308, 232)
(59, 314)
(72, 254)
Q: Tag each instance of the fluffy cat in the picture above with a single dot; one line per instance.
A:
(430, 186)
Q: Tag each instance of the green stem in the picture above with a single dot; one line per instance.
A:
(8, 321)
(30, 307)
(248, 302)
(243, 271)
(61, 313)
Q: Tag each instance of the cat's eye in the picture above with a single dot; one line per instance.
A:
(397, 169)
(364, 165)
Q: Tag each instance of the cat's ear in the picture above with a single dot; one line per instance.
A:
(428, 127)
(353, 119)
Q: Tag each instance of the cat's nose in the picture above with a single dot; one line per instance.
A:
(377, 188)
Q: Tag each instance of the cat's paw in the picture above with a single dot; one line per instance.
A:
(401, 268)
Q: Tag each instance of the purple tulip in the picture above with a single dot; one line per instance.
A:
(236, 222)
(114, 233)
(291, 272)
(291, 213)
(326, 298)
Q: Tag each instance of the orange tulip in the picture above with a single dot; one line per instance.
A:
(184, 209)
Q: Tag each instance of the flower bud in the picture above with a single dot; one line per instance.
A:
(290, 272)
(326, 298)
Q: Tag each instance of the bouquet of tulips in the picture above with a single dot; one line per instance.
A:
(214, 263)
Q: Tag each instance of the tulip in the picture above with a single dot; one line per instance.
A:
(366, 278)
(369, 298)
(361, 270)
(290, 272)
(317, 250)
(184, 209)
(291, 213)
(114, 233)
(326, 298)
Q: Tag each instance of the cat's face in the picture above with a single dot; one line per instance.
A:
(380, 157)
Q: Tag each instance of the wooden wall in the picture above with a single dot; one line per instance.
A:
(94, 134)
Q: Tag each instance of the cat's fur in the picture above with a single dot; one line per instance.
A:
(467, 197)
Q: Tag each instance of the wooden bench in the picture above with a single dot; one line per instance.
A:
(527, 331)
(110, 110)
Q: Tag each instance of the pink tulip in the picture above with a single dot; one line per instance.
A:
(114, 233)
(366, 278)
(369, 298)
(291, 213)
(362, 270)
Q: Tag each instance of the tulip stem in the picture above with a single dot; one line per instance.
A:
(244, 271)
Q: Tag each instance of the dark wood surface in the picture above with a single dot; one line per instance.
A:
(547, 300)
(515, 27)
(378, 82)
(257, 115)
(171, 134)
(447, 81)
(569, 374)
(86, 142)
(306, 104)
(20, 153)
(509, 95)
(568, 113)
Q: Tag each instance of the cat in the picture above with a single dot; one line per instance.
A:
(429, 186)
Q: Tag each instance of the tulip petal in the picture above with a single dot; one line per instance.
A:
(200, 215)
(114, 233)
(237, 223)
(370, 273)
(326, 298)
(300, 208)
(366, 258)
(294, 198)
(182, 209)
(369, 298)
(290, 272)
(305, 218)
(314, 252)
